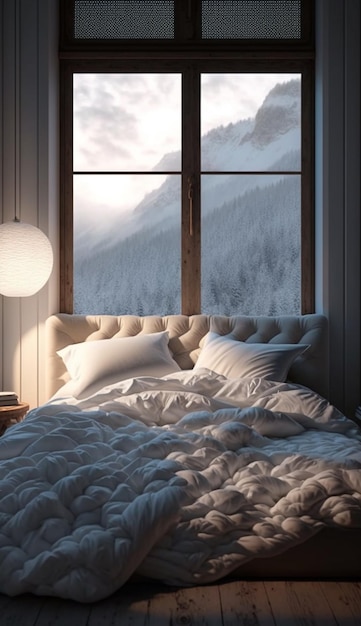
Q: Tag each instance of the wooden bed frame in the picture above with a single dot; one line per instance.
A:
(332, 553)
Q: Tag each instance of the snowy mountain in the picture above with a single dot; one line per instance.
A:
(268, 142)
(235, 209)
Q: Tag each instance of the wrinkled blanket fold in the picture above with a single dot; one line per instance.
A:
(182, 479)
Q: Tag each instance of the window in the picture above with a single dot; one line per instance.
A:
(127, 192)
(187, 170)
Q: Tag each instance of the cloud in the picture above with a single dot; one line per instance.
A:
(103, 128)
(125, 121)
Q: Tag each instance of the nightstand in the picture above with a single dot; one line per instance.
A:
(11, 414)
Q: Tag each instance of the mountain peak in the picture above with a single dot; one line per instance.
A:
(279, 113)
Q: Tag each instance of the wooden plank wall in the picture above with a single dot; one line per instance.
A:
(28, 136)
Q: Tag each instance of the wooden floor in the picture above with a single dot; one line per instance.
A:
(229, 604)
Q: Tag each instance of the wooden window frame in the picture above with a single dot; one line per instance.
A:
(163, 57)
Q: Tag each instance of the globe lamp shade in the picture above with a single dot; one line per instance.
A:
(26, 259)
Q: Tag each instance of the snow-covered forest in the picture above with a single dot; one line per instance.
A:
(250, 262)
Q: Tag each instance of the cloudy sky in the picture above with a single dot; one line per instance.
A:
(128, 122)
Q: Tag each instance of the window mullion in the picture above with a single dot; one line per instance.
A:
(66, 202)
(191, 254)
(307, 193)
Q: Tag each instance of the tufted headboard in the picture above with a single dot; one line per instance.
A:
(185, 339)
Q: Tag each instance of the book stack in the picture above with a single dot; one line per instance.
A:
(8, 398)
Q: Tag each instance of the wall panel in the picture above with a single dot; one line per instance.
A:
(30, 172)
(338, 184)
(338, 192)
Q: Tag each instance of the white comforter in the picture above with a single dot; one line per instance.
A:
(182, 478)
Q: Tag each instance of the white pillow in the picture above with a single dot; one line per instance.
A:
(235, 359)
(94, 364)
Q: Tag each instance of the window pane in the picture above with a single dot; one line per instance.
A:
(251, 19)
(127, 122)
(124, 19)
(127, 244)
(251, 244)
(251, 122)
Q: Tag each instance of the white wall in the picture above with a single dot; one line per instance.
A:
(29, 110)
(337, 190)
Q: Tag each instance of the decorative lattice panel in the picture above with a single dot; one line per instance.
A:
(257, 19)
(124, 19)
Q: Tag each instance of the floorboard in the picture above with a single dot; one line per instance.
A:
(245, 603)
(299, 604)
(21, 611)
(344, 600)
(55, 612)
(232, 603)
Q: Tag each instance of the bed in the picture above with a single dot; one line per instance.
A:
(185, 449)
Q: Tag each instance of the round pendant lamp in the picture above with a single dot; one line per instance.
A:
(26, 259)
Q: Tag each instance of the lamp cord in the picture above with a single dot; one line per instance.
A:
(17, 113)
